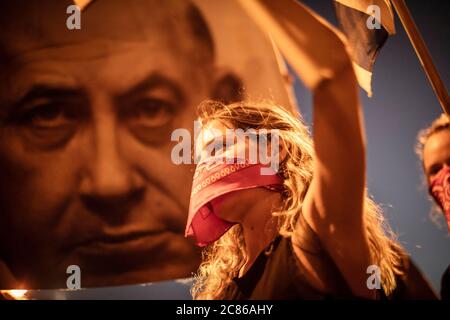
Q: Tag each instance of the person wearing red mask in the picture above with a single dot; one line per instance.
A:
(434, 151)
(306, 230)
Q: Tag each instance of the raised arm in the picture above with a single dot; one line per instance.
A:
(333, 206)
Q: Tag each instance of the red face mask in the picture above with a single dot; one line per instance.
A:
(213, 181)
(440, 190)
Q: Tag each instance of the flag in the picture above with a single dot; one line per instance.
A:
(367, 28)
(313, 47)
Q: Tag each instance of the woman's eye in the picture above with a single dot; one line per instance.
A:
(221, 146)
(433, 171)
(216, 148)
(151, 113)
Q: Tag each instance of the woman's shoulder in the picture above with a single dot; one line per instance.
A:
(305, 239)
(314, 263)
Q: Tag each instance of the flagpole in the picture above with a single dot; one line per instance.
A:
(423, 54)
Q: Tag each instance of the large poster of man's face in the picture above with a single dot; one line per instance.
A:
(86, 116)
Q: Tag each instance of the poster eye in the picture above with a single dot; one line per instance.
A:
(51, 115)
(151, 113)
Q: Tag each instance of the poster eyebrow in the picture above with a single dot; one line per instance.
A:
(45, 90)
(152, 81)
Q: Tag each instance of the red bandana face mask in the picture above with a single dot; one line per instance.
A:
(440, 190)
(212, 181)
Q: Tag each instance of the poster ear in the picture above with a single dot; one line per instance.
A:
(228, 88)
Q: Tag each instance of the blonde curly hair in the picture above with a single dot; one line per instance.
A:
(223, 259)
(441, 123)
(438, 125)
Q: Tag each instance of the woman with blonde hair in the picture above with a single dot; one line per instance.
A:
(319, 221)
(303, 228)
(433, 149)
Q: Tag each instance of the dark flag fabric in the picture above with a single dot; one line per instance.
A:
(367, 24)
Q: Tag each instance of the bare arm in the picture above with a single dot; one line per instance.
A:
(333, 206)
(334, 203)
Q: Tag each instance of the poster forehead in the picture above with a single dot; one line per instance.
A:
(242, 48)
